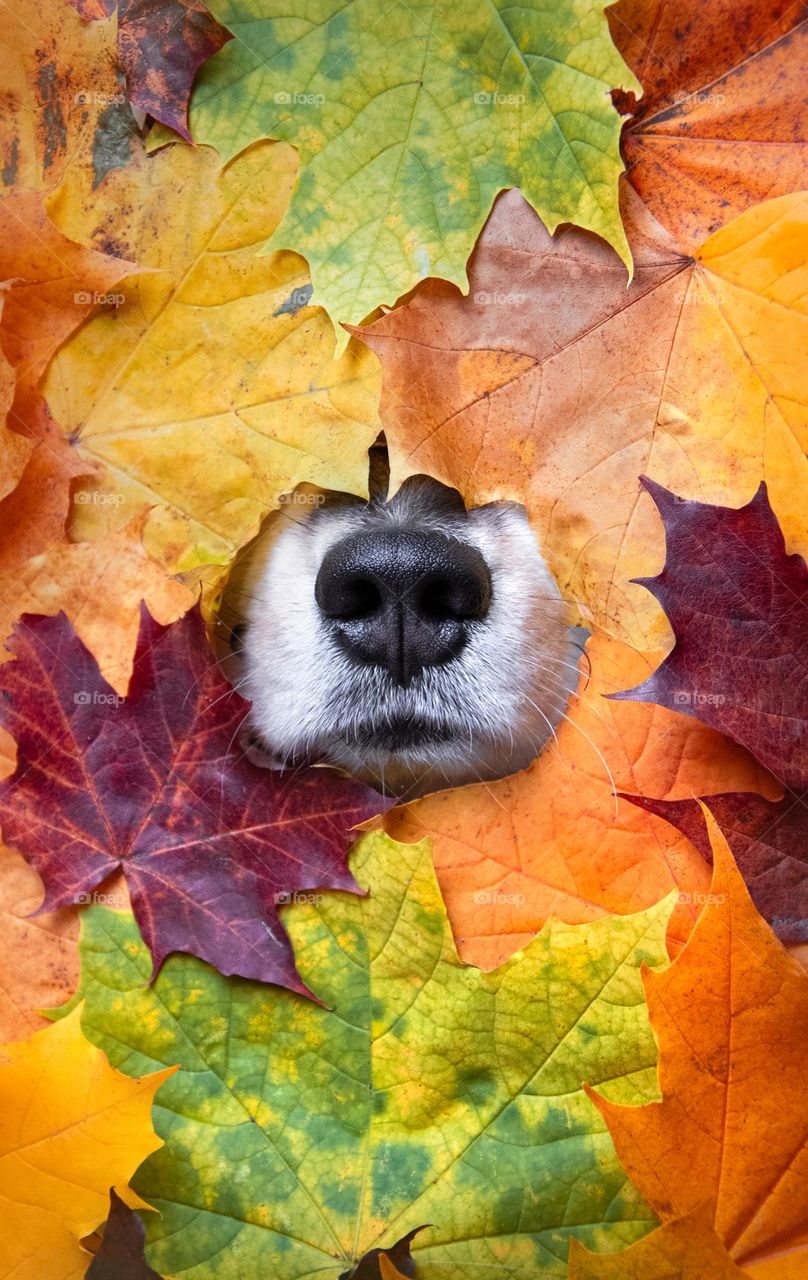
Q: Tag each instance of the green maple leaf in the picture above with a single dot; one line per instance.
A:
(297, 1138)
(409, 118)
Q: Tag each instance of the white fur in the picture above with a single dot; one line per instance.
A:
(500, 696)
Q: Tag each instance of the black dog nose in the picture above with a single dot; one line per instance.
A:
(400, 600)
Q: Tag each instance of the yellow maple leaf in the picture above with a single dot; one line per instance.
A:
(70, 1128)
(211, 389)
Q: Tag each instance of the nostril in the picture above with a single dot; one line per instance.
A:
(462, 595)
(402, 599)
(348, 596)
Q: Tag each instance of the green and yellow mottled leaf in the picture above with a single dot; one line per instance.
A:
(297, 1138)
(209, 387)
(409, 118)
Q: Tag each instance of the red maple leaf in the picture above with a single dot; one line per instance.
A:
(738, 605)
(769, 841)
(209, 843)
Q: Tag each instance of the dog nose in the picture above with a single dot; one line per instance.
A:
(402, 600)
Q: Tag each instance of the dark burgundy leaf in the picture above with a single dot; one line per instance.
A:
(769, 840)
(367, 1268)
(121, 1255)
(738, 605)
(208, 842)
(161, 45)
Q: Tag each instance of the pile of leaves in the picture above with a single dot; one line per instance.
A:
(553, 1026)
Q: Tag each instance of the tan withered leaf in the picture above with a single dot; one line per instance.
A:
(554, 840)
(39, 959)
(212, 389)
(553, 384)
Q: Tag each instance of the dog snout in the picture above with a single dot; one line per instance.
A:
(402, 600)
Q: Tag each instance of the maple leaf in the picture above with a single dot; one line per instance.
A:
(39, 960)
(424, 1085)
(723, 121)
(738, 605)
(70, 1127)
(121, 1254)
(554, 385)
(206, 840)
(769, 841)
(64, 109)
(204, 395)
(731, 1019)
(686, 1248)
(554, 841)
(53, 286)
(161, 45)
(99, 586)
(401, 162)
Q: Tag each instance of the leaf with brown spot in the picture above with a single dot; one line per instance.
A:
(554, 385)
(554, 841)
(161, 45)
(723, 120)
(64, 109)
(208, 843)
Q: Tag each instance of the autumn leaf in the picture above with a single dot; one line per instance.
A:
(769, 841)
(553, 385)
(121, 1254)
(70, 1127)
(686, 1248)
(731, 1019)
(423, 1088)
(554, 841)
(723, 120)
(54, 284)
(99, 586)
(738, 606)
(388, 1264)
(161, 45)
(212, 389)
(151, 785)
(402, 159)
(64, 108)
(39, 960)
